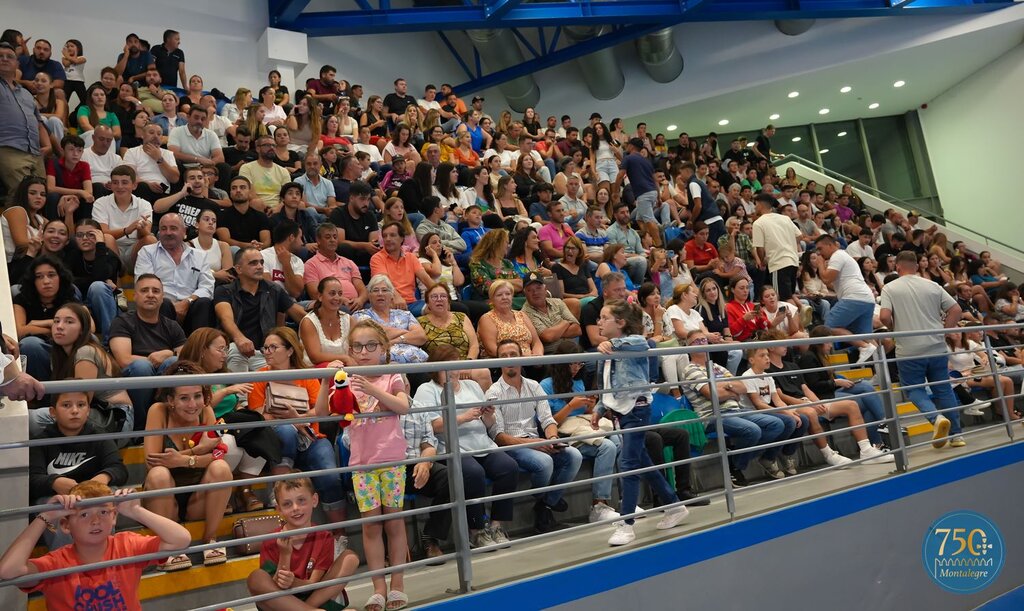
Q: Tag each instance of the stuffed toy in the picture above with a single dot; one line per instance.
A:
(218, 451)
(342, 400)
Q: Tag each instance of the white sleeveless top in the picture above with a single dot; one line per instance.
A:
(332, 345)
(9, 246)
(212, 254)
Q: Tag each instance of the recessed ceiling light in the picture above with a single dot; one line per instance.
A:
(822, 151)
(872, 105)
(724, 122)
(773, 117)
(823, 111)
(899, 84)
(672, 128)
(845, 89)
(793, 94)
(796, 139)
(841, 134)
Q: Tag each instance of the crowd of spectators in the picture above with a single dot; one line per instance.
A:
(315, 228)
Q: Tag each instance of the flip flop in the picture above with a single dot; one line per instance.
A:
(396, 600)
(375, 603)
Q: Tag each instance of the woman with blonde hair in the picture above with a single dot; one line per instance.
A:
(236, 110)
(503, 323)
(254, 122)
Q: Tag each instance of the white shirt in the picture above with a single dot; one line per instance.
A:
(850, 283)
(147, 170)
(272, 266)
(763, 386)
(106, 211)
(777, 235)
(192, 276)
(203, 146)
(857, 251)
(370, 150)
(435, 105)
(691, 322)
(100, 166)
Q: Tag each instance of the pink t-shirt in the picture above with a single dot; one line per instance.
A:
(377, 439)
(558, 234)
(345, 270)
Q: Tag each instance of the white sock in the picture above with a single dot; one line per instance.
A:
(827, 451)
(863, 444)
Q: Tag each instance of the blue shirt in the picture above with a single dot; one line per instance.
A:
(640, 173)
(472, 236)
(476, 138)
(137, 65)
(548, 386)
(29, 68)
(19, 119)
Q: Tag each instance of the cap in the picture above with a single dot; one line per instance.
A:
(531, 278)
(7, 45)
(396, 159)
(478, 98)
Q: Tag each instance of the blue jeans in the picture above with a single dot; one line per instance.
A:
(798, 431)
(101, 302)
(142, 398)
(932, 369)
(854, 316)
(634, 456)
(319, 455)
(37, 351)
(603, 455)
(870, 406)
(548, 469)
(788, 432)
(749, 429)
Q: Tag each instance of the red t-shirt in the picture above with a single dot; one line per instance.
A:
(111, 589)
(69, 179)
(316, 552)
(699, 255)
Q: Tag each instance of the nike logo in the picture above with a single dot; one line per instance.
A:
(78, 458)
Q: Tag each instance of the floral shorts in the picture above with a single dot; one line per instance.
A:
(384, 486)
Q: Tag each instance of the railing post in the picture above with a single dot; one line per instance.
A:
(460, 530)
(891, 411)
(998, 387)
(730, 500)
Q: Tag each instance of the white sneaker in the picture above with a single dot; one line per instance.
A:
(623, 535)
(876, 456)
(642, 515)
(835, 459)
(974, 409)
(600, 512)
(865, 353)
(340, 545)
(942, 425)
(673, 517)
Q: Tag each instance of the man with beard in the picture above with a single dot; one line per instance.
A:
(241, 225)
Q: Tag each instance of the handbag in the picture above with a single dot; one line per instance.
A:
(281, 396)
(257, 442)
(250, 527)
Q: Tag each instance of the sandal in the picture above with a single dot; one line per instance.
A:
(175, 563)
(396, 600)
(375, 603)
(249, 500)
(215, 556)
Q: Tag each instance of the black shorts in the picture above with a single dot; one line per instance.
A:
(784, 281)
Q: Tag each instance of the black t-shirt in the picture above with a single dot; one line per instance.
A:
(341, 188)
(574, 284)
(788, 379)
(395, 104)
(167, 64)
(249, 320)
(764, 146)
(243, 227)
(35, 310)
(232, 155)
(104, 266)
(588, 317)
(356, 230)
(147, 338)
(190, 208)
(288, 164)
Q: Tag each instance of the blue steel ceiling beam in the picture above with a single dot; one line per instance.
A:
(664, 12)
(495, 10)
(286, 11)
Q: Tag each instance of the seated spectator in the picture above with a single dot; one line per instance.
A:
(318, 192)
(75, 179)
(102, 158)
(241, 224)
(593, 235)
(728, 265)
(435, 223)
(173, 461)
(479, 460)
(781, 315)
(217, 252)
(281, 264)
(1008, 302)
(613, 287)
(744, 426)
(525, 422)
(556, 233)
(502, 323)
(621, 232)
(265, 176)
(745, 317)
(150, 93)
(46, 286)
(305, 559)
(188, 281)
(125, 217)
(358, 234)
(93, 113)
(327, 263)
(284, 156)
(404, 333)
(699, 255)
(572, 271)
(443, 326)
(543, 192)
(144, 342)
(154, 167)
(249, 307)
(475, 229)
(52, 107)
(526, 254)
(56, 469)
(551, 317)
(401, 268)
(191, 201)
(303, 446)
(242, 152)
(324, 330)
(440, 264)
(170, 118)
(22, 224)
(394, 211)
(573, 207)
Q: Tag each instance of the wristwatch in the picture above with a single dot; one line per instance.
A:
(192, 461)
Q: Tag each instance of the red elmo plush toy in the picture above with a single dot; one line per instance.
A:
(342, 400)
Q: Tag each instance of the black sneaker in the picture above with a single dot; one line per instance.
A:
(686, 495)
(738, 479)
(560, 506)
(543, 520)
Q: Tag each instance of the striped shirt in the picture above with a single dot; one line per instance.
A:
(417, 431)
(520, 419)
(698, 375)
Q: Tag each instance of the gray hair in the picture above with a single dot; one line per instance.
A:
(380, 279)
(611, 278)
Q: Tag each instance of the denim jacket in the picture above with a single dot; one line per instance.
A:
(625, 372)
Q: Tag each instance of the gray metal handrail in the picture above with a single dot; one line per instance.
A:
(931, 216)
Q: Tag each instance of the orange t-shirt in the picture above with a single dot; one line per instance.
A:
(115, 588)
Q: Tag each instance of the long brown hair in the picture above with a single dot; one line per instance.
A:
(198, 342)
(63, 363)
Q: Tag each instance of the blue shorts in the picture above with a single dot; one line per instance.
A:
(854, 316)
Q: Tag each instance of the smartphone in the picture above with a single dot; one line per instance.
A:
(671, 254)
(561, 445)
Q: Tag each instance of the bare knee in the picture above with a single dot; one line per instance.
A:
(218, 471)
(158, 478)
(260, 582)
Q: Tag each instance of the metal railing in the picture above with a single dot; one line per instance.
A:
(463, 554)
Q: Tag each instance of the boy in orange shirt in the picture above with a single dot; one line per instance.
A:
(90, 528)
(290, 562)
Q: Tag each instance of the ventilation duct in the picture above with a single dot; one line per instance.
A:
(660, 56)
(793, 27)
(499, 50)
(600, 69)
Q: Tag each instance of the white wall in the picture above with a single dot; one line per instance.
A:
(973, 133)
(219, 38)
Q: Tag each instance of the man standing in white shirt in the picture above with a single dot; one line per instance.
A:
(102, 158)
(777, 241)
(155, 168)
(854, 311)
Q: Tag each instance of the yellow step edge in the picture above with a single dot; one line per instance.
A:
(906, 408)
(133, 455)
(838, 358)
(158, 585)
(924, 428)
(862, 373)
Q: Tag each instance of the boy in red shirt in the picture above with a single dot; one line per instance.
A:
(110, 588)
(290, 562)
(69, 176)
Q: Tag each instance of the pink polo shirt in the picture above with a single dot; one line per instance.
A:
(558, 234)
(345, 270)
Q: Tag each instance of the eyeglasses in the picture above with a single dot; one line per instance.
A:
(271, 348)
(356, 347)
(85, 236)
(381, 291)
(224, 349)
(439, 297)
(700, 341)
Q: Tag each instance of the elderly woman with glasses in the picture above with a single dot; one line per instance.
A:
(502, 323)
(445, 327)
(404, 332)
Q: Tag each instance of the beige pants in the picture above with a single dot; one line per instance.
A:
(15, 165)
